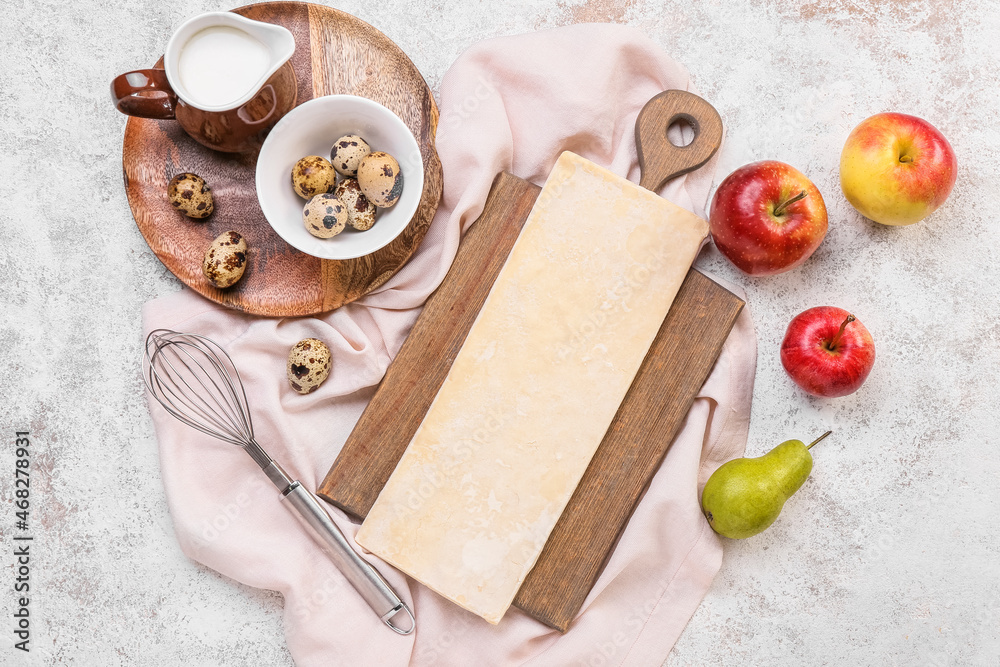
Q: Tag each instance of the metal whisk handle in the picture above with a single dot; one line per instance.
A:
(365, 579)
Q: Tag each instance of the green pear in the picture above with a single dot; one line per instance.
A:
(745, 496)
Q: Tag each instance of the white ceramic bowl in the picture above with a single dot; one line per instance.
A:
(310, 129)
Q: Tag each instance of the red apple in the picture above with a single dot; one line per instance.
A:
(827, 351)
(767, 217)
(897, 169)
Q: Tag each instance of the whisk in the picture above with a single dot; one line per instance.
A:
(194, 380)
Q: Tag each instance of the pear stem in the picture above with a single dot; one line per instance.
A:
(832, 345)
(810, 445)
(780, 208)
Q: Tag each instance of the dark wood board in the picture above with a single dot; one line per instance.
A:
(679, 361)
(335, 53)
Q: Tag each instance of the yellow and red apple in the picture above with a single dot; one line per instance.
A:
(897, 169)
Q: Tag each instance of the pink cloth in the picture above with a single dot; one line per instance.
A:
(512, 103)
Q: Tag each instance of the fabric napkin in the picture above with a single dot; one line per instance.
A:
(512, 103)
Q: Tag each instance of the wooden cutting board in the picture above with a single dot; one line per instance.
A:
(335, 53)
(676, 366)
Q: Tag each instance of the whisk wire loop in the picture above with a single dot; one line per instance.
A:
(189, 376)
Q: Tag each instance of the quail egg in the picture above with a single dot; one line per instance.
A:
(325, 216)
(347, 153)
(190, 194)
(380, 179)
(360, 211)
(226, 259)
(313, 175)
(308, 365)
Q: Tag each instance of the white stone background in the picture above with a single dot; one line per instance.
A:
(887, 556)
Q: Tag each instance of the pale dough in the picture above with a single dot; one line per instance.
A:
(535, 386)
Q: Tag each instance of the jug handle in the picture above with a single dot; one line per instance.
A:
(145, 93)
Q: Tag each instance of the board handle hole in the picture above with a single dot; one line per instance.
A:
(681, 131)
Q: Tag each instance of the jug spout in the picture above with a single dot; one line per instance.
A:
(220, 60)
(278, 39)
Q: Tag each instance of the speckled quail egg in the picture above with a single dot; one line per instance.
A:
(313, 175)
(308, 365)
(190, 194)
(360, 211)
(380, 179)
(324, 216)
(347, 153)
(226, 259)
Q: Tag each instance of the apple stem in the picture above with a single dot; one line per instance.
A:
(905, 158)
(780, 208)
(832, 344)
(810, 445)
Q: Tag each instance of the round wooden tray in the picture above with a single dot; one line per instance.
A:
(335, 54)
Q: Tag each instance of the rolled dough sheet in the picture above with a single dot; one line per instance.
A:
(534, 387)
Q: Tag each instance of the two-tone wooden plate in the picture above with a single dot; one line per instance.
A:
(335, 53)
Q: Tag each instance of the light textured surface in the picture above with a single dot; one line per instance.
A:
(535, 386)
(888, 555)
